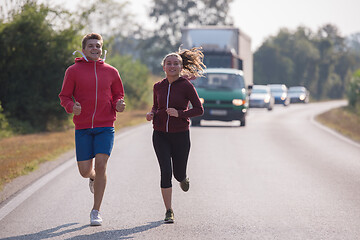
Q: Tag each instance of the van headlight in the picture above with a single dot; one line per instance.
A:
(202, 100)
(267, 99)
(238, 102)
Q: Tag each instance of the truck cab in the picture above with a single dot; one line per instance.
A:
(224, 95)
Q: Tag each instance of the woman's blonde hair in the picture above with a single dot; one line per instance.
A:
(192, 61)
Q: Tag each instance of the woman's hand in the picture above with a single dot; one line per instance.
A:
(150, 116)
(172, 112)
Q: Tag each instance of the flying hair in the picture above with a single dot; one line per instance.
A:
(192, 61)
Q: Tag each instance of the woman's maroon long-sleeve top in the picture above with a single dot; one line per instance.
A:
(176, 95)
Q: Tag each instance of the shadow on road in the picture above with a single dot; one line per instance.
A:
(49, 233)
(215, 126)
(119, 234)
(110, 234)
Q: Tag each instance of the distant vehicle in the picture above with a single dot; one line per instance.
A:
(279, 91)
(261, 97)
(224, 95)
(223, 47)
(298, 94)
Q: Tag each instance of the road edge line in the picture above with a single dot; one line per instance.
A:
(28, 191)
(333, 132)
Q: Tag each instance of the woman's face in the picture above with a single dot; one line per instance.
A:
(172, 66)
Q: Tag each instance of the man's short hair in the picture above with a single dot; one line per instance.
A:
(91, 36)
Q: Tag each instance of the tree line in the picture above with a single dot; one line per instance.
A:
(38, 41)
(323, 61)
(37, 44)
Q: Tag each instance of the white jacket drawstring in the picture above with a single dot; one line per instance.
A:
(81, 54)
(105, 51)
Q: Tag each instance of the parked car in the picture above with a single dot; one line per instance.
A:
(224, 95)
(261, 97)
(298, 94)
(279, 91)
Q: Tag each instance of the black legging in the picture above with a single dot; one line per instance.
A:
(171, 148)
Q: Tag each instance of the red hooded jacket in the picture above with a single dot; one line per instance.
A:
(176, 95)
(97, 87)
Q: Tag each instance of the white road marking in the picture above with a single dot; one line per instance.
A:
(30, 190)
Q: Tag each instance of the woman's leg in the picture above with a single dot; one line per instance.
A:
(180, 144)
(167, 194)
(162, 150)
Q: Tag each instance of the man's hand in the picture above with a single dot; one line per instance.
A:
(172, 112)
(150, 116)
(120, 105)
(77, 108)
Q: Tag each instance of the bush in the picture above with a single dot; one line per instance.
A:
(136, 80)
(5, 130)
(33, 60)
(354, 92)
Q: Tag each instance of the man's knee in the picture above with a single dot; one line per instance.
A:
(85, 168)
(101, 163)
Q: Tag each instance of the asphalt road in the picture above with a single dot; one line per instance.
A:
(281, 177)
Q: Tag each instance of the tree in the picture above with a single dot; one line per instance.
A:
(353, 92)
(335, 64)
(135, 77)
(33, 60)
(171, 16)
(319, 61)
(107, 17)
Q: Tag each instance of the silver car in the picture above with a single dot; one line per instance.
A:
(261, 97)
(298, 94)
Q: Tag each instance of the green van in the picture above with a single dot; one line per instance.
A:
(223, 94)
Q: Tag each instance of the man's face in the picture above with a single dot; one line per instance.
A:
(93, 49)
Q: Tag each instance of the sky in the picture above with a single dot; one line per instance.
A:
(261, 19)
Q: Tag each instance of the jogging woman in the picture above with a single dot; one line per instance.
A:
(170, 114)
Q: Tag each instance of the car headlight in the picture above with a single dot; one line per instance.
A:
(283, 96)
(202, 100)
(238, 102)
(267, 99)
(302, 97)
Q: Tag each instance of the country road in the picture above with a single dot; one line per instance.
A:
(283, 176)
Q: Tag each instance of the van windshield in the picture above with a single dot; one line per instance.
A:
(220, 81)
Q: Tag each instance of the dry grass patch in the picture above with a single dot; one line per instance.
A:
(343, 121)
(20, 155)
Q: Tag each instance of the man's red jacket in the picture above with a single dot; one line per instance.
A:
(97, 87)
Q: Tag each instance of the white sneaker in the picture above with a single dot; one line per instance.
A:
(95, 218)
(91, 185)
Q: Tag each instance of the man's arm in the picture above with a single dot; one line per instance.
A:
(117, 91)
(67, 92)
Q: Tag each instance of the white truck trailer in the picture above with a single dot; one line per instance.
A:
(223, 47)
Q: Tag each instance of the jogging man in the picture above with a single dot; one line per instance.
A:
(93, 91)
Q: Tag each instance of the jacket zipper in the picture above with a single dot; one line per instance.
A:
(167, 106)
(96, 93)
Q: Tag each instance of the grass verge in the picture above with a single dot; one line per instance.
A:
(20, 155)
(342, 120)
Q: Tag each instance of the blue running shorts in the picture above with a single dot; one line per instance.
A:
(92, 141)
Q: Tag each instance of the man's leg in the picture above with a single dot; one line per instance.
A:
(86, 169)
(100, 179)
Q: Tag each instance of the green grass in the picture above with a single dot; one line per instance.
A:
(22, 154)
(343, 120)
